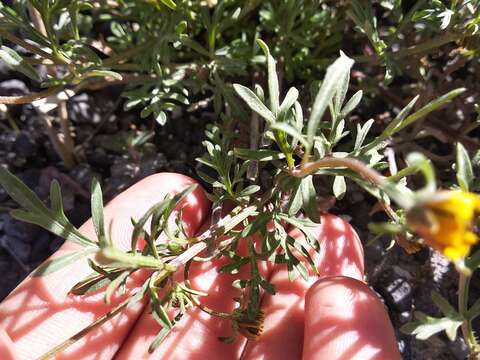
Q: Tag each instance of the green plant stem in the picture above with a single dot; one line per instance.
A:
(332, 162)
(42, 20)
(282, 143)
(403, 173)
(371, 175)
(290, 160)
(59, 146)
(65, 126)
(361, 169)
(467, 330)
(43, 25)
(421, 48)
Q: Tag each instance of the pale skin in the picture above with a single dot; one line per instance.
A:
(334, 316)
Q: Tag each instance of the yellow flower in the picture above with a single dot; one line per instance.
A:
(445, 222)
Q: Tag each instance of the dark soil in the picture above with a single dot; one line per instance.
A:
(404, 282)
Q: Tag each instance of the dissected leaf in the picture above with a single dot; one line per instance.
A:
(104, 73)
(249, 190)
(426, 326)
(97, 211)
(273, 88)
(309, 196)
(61, 261)
(331, 83)
(254, 102)
(260, 155)
(431, 106)
(17, 63)
(92, 283)
(290, 130)
(352, 103)
(463, 168)
(288, 101)
(114, 284)
(35, 212)
(445, 307)
(339, 187)
(169, 3)
(163, 208)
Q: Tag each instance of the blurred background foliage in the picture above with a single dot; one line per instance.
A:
(173, 55)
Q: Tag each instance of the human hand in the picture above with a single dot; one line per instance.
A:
(334, 317)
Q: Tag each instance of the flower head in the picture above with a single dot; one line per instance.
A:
(445, 222)
(251, 329)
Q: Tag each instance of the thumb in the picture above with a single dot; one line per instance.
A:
(344, 319)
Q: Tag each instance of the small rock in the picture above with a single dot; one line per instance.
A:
(98, 158)
(19, 248)
(83, 175)
(14, 160)
(5, 72)
(152, 165)
(404, 347)
(400, 294)
(13, 87)
(175, 150)
(111, 125)
(15, 229)
(40, 247)
(83, 132)
(8, 140)
(24, 145)
(82, 110)
(11, 272)
(397, 291)
(401, 272)
(124, 167)
(51, 154)
(405, 317)
(458, 348)
(81, 212)
(440, 267)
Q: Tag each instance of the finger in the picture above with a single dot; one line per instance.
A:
(340, 253)
(39, 314)
(6, 346)
(196, 335)
(345, 320)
